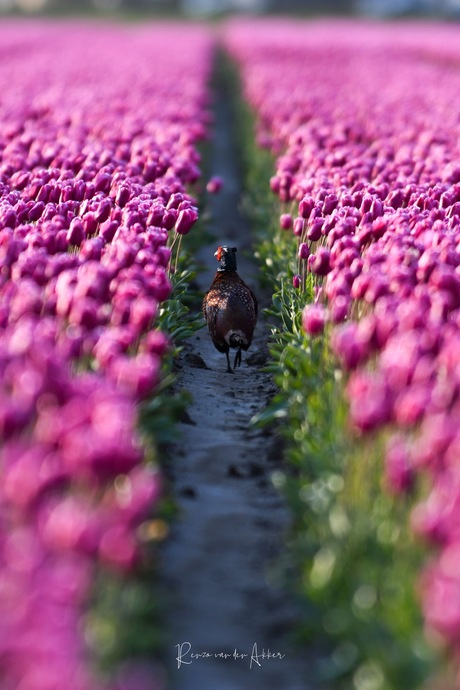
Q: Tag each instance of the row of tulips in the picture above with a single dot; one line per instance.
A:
(366, 136)
(98, 133)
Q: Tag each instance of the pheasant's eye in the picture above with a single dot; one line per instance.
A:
(219, 253)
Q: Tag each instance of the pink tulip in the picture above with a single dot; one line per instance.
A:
(319, 263)
(304, 251)
(185, 221)
(76, 233)
(286, 221)
(156, 342)
(349, 346)
(314, 318)
(370, 401)
(118, 548)
(215, 184)
(441, 604)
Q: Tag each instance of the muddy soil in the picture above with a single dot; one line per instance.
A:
(222, 559)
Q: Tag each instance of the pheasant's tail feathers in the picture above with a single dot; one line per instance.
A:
(237, 339)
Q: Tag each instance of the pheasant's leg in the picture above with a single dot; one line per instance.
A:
(237, 361)
(229, 369)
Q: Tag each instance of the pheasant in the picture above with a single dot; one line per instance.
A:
(230, 308)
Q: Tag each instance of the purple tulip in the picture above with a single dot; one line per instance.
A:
(399, 475)
(163, 255)
(76, 233)
(330, 203)
(319, 263)
(340, 309)
(155, 216)
(410, 405)
(306, 206)
(314, 231)
(122, 196)
(102, 182)
(185, 221)
(137, 376)
(143, 313)
(296, 281)
(286, 221)
(304, 251)
(68, 526)
(298, 226)
(13, 418)
(36, 211)
(84, 312)
(215, 184)
(349, 347)
(438, 431)
(102, 212)
(108, 229)
(442, 617)
(118, 548)
(91, 249)
(370, 401)
(9, 218)
(314, 318)
(169, 219)
(174, 201)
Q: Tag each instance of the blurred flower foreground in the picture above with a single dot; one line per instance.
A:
(98, 127)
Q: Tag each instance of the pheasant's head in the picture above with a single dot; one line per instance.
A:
(227, 258)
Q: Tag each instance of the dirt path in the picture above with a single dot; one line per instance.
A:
(220, 560)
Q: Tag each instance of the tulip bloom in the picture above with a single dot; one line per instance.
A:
(314, 318)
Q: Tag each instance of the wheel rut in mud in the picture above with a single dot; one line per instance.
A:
(221, 560)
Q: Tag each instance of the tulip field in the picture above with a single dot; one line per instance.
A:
(97, 157)
(366, 137)
(354, 190)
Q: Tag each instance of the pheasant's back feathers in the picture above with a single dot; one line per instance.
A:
(230, 307)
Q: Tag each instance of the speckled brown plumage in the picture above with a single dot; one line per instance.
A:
(230, 308)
